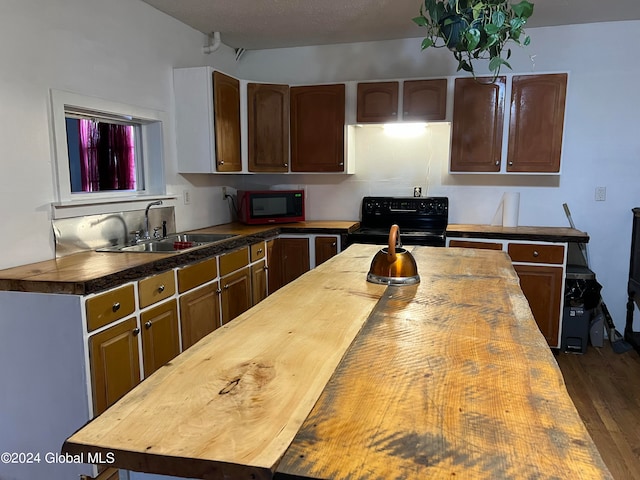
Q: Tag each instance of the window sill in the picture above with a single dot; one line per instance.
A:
(89, 206)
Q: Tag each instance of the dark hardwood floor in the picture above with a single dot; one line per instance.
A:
(605, 388)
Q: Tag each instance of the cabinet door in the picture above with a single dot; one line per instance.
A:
(424, 100)
(317, 128)
(543, 288)
(474, 244)
(226, 107)
(536, 123)
(160, 342)
(288, 260)
(268, 109)
(478, 121)
(115, 363)
(199, 314)
(377, 102)
(236, 294)
(258, 282)
(326, 247)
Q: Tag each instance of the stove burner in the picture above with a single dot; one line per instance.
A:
(422, 221)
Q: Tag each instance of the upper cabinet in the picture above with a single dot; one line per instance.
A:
(268, 127)
(377, 102)
(422, 100)
(226, 103)
(534, 124)
(478, 118)
(318, 128)
(207, 121)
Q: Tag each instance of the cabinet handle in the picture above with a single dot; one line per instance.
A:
(497, 162)
(135, 331)
(394, 113)
(285, 164)
(341, 164)
(148, 325)
(259, 250)
(226, 287)
(266, 267)
(220, 162)
(161, 288)
(535, 253)
(218, 291)
(116, 307)
(510, 163)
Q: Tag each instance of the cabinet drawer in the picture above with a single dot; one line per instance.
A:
(257, 251)
(193, 275)
(470, 244)
(233, 261)
(156, 288)
(110, 306)
(536, 253)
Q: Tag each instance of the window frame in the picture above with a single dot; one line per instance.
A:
(151, 148)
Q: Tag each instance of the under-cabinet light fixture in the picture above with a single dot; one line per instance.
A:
(405, 130)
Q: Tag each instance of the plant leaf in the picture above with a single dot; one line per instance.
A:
(421, 21)
(472, 36)
(527, 40)
(496, 63)
(490, 28)
(523, 9)
(491, 40)
(426, 43)
(498, 18)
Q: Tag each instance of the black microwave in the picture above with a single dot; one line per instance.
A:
(270, 206)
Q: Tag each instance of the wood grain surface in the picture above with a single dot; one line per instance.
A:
(229, 406)
(450, 378)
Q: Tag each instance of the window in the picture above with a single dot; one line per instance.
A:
(105, 151)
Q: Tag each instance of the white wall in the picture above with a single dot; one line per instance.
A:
(601, 144)
(120, 50)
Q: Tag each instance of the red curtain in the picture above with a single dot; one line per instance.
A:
(107, 156)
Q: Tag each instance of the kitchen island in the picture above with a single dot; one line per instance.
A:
(332, 377)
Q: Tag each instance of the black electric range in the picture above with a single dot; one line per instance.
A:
(422, 220)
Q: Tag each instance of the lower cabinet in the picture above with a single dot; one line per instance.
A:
(199, 313)
(326, 247)
(115, 363)
(236, 294)
(160, 341)
(289, 260)
(259, 285)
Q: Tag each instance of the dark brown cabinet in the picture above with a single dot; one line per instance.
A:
(424, 100)
(478, 121)
(326, 247)
(268, 127)
(536, 123)
(288, 259)
(258, 282)
(377, 102)
(542, 285)
(317, 128)
(199, 313)
(226, 106)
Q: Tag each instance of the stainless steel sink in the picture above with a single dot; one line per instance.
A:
(197, 237)
(180, 242)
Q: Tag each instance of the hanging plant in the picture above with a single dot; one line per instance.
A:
(475, 29)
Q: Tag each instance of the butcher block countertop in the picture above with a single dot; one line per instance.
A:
(540, 234)
(332, 377)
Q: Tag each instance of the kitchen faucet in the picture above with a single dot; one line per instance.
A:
(146, 218)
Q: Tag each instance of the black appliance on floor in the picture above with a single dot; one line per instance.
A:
(422, 220)
(633, 287)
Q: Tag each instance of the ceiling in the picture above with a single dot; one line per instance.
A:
(261, 24)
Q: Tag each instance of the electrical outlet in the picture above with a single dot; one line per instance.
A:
(601, 194)
(224, 193)
(417, 191)
(186, 197)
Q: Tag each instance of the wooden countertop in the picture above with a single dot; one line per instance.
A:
(541, 234)
(334, 377)
(90, 271)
